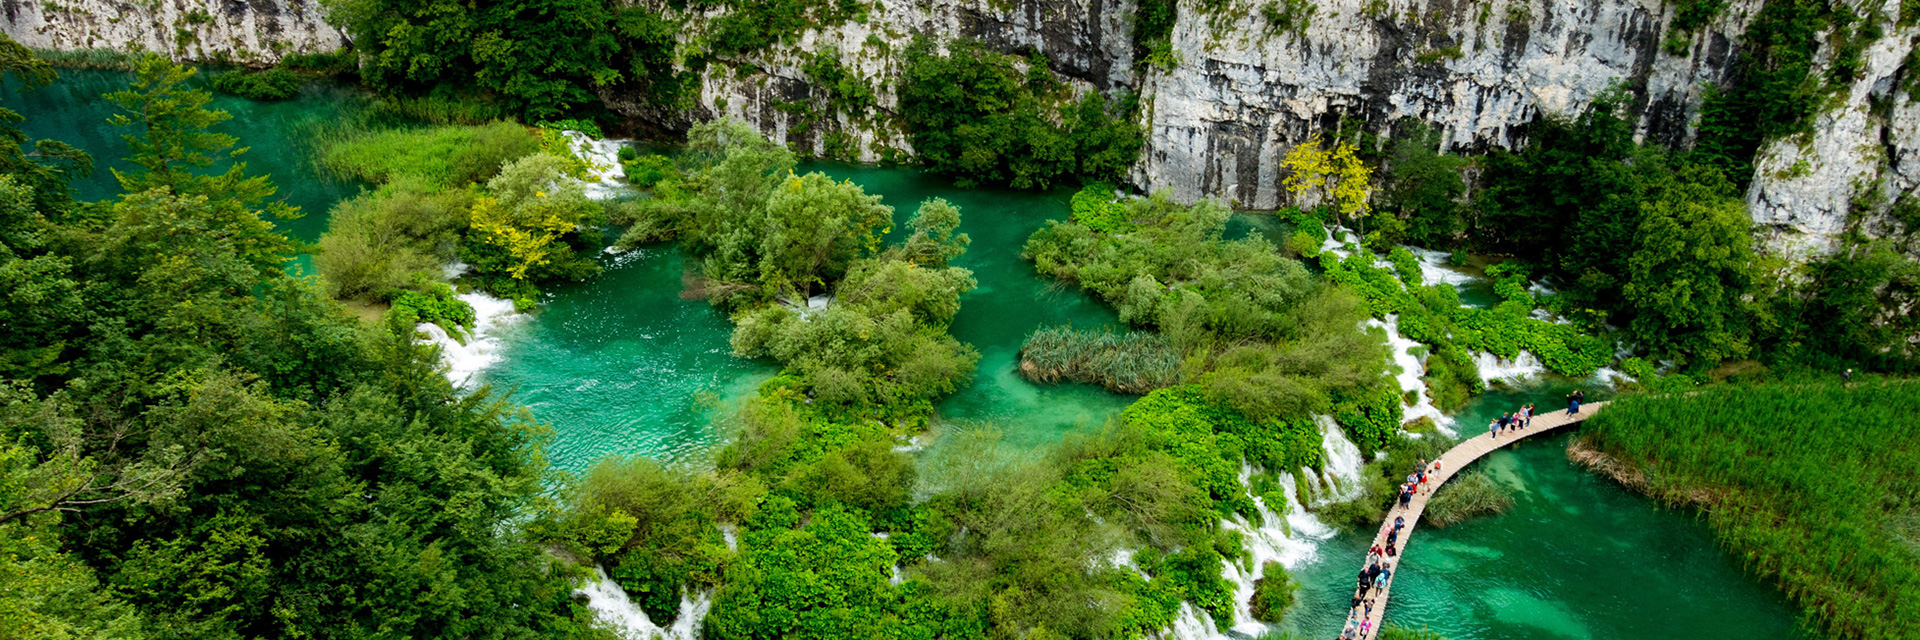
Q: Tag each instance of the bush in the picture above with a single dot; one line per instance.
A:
(435, 304)
(393, 238)
(271, 84)
(649, 171)
(1096, 207)
(530, 227)
(1273, 593)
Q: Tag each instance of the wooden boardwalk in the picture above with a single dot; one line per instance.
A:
(1452, 462)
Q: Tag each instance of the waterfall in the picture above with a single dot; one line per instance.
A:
(1291, 537)
(492, 317)
(604, 175)
(1434, 268)
(612, 606)
(1493, 367)
(1343, 463)
(1412, 367)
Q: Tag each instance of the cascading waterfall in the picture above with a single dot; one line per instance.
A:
(491, 318)
(1412, 367)
(603, 158)
(1290, 537)
(1494, 367)
(612, 606)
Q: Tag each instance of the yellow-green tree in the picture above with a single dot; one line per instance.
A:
(521, 230)
(1336, 171)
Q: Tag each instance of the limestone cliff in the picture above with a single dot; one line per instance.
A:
(250, 31)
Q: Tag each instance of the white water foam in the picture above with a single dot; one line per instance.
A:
(1494, 367)
(1434, 268)
(612, 606)
(492, 317)
(1412, 367)
(605, 176)
(1291, 537)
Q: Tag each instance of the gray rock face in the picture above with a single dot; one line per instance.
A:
(251, 31)
(1240, 93)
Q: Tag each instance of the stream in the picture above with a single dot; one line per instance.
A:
(619, 364)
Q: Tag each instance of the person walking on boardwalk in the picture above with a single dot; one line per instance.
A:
(1573, 401)
(1529, 411)
(1493, 428)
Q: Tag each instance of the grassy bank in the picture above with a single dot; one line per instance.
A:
(1813, 485)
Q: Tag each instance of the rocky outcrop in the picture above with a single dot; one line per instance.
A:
(241, 31)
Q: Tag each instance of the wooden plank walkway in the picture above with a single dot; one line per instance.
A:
(1452, 462)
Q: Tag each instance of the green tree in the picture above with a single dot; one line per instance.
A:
(1691, 265)
(172, 142)
(814, 229)
(1423, 186)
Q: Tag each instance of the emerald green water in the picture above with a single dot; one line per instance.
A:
(275, 133)
(1577, 557)
(620, 364)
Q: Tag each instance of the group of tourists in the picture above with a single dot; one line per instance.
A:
(1417, 481)
(1381, 558)
(1511, 421)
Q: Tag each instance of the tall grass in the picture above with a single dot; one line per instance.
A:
(1133, 362)
(1465, 497)
(447, 156)
(1814, 486)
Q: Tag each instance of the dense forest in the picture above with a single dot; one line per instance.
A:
(196, 443)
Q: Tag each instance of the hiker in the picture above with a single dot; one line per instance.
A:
(1398, 522)
(1391, 553)
(1393, 536)
(1529, 411)
(1365, 626)
(1493, 428)
(1573, 402)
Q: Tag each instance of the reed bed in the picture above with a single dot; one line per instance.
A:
(1132, 362)
(1813, 486)
(1471, 495)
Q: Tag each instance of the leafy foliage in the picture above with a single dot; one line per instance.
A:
(270, 84)
(544, 57)
(392, 238)
(1273, 593)
(215, 450)
(526, 229)
(973, 115)
(1346, 180)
